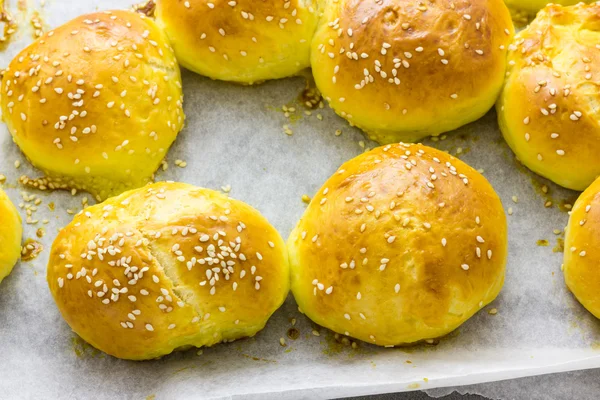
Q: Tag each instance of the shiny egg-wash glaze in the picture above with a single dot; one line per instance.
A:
(548, 109)
(95, 103)
(244, 41)
(403, 70)
(167, 267)
(11, 232)
(403, 243)
(582, 249)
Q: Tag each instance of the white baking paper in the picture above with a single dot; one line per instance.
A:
(234, 136)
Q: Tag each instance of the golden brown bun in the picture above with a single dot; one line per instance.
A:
(548, 108)
(97, 102)
(582, 249)
(142, 274)
(245, 41)
(534, 6)
(11, 232)
(402, 71)
(401, 244)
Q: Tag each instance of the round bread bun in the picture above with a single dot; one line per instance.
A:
(402, 244)
(582, 249)
(96, 103)
(167, 267)
(402, 71)
(534, 6)
(244, 41)
(11, 232)
(548, 108)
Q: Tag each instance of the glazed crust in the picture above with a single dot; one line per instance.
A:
(166, 267)
(96, 103)
(548, 108)
(11, 232)
(582, 249)
(245, 41)
(401, 244)
(403, 70)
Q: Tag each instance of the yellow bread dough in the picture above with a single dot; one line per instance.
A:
(548, 109)
(533, 6)
(95, 103)
(402, 70)
(244, 41)
(582, 249)
(402, 244)
(11, 232)
(166, 267)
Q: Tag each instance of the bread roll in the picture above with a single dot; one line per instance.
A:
(402, 70)
(11, 232)
(96, 103)
(166, 267)
(534, 6)
(582, 249)
(548, 108)
(244, 41)
(402, 244)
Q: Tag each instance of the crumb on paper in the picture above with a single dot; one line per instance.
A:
(180, 163)
(31, 249)
(287, 130)
(338, 132)
(510, 211)
(493, 311)
(315, 332)
(36, 23)
(226, 188)
(306, 198)
(282, 342)
(515, 199)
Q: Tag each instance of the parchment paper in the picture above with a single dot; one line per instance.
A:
(234, 136)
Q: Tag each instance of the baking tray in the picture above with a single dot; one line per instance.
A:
(235, 140)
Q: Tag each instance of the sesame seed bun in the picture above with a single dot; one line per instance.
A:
(582, 249)
(536, 5)
(548, 108)
(244, 41)
(11, 232)
(402, 71)
(402, 244)
(96, 103)
(167, 267)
